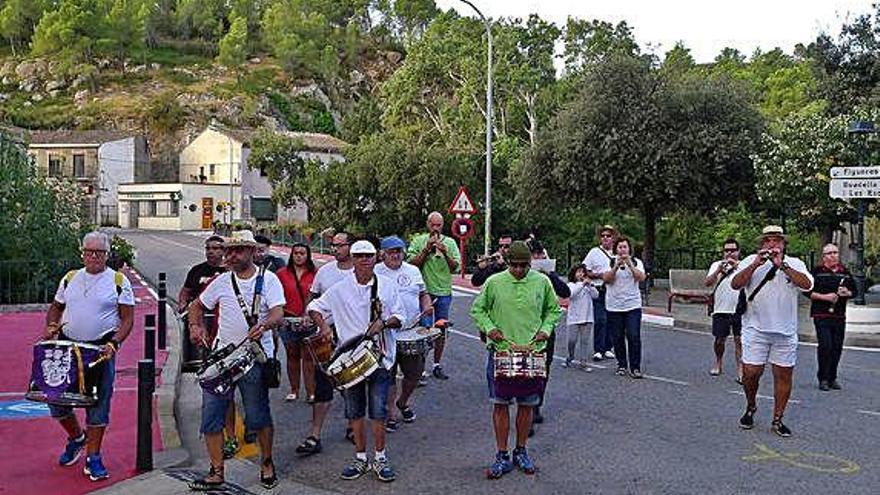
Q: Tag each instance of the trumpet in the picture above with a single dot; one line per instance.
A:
(496, 257)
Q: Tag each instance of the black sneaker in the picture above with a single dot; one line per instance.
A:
(423, 380)
(438, 373)
(824, 386)
(747, 421)
(779, 428)
(406, 413)
(538, 418)
(391, 425)
(834, 385)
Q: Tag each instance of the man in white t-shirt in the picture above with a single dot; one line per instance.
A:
(334, 271)
(416, 301)
(598, 261)
(357, 314)
(93, 305)
(725, 319)
(240, 320)
(770, 321)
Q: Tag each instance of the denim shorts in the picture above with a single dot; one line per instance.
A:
(356, 397)
(441, 310)
(254, 396)
(525, 400)
(99, 414)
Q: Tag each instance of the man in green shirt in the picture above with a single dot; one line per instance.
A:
(438, 258)
(518, 307)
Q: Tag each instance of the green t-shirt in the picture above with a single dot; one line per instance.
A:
(519, 308)
(435, 270)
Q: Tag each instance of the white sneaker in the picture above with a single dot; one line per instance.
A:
(609, 354)
(597, 356)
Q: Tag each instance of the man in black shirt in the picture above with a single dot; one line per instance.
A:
(495, 263)
(262, 257)
(832, 288)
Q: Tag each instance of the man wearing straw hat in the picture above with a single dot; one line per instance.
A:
(245, 313)
(516, 307)
(772, 281)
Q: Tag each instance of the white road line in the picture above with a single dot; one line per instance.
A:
(599, 366)
(465, 291)
(765, 397)
(806, 344)
(871, 413)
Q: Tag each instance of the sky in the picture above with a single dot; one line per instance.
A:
(704, 26)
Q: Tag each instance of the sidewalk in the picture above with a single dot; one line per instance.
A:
(29, 463)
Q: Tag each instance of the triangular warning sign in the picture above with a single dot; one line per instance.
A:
(462, 203)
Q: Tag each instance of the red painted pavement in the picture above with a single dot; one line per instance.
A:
(29, 456)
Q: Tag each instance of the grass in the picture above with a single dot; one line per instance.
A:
(51, 113)
(170, 56)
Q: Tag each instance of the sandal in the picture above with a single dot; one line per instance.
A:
(309, 446)
(207, 484)
(268, 482)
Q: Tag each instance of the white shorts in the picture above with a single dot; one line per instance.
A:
(760, 348)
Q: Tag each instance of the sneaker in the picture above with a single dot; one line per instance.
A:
(523, 461)
(609, 354)
(423, 380)
(823, 386)
(834, 385)
(384, 471)
(406, 413)
(230, 447)
(598, 356)
(566, 363)
(538, 418)
(438, 373)
(391, 425)
(636, 373)
(747, 421)
(779, 428)
(621, 371)
(95, 469)
(583, 367)
(73, 450)
(500, 467)
(355, 470)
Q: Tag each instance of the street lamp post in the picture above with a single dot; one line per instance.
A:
(864, 129)
(487, 240)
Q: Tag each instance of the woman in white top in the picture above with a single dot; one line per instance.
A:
(580, 315)
(623, 301)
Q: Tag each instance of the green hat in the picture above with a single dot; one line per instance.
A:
(519, 252)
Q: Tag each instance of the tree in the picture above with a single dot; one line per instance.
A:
(71, 31)
(636, 138)
(233, 46)
(412, 17)
(588, 42)
(201, 19)
(18, 19)
(126, 26)
(678, 60)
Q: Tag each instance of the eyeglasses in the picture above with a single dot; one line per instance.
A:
(831, 252)
(94, 252)
(336, 245)
(731, 250)
(519, 264)
(609, 236)
(504, 246)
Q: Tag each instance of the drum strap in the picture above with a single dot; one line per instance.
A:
(376, 311)
(249, 315)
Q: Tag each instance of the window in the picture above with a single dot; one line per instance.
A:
(55, 166)
(262, 209)
(79, 166)
(213, 170)
(175, 208)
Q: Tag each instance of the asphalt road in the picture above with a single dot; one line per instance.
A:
(673, 433)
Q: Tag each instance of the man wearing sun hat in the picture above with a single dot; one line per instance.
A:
(772, 281)
(599, 261)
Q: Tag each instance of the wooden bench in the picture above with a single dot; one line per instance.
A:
(688, 285)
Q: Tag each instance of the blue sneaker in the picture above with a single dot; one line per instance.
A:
(383, 470)
(95, 469)
(355, 470)
(73, 450)
(500, 467)
(523, 461)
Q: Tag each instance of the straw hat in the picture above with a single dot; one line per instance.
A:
(241, 238)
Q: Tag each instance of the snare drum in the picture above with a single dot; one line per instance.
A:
(352, 366)
(294, 331)
(520, 364)
(320, 349)
(65, 373)
(227, 365)
(416, 341)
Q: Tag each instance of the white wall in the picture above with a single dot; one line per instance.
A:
(115, 166)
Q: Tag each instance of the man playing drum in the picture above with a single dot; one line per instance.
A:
(94, 305)
(415, 301)
(515, 308)
(364, 305)
(245, 313)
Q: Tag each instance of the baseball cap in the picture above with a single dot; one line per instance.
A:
(393, 242)
(363, 247)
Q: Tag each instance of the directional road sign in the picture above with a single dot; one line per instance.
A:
(855, 188)
(855, 172)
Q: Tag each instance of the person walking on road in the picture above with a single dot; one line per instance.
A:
(772, 281)
(598, 261)
(623, 301)
(833, 288)
(93, 305)
(725, 317)
(437, 256)
(579, 318)
(517, 307)
(238, 322)
(296, 279)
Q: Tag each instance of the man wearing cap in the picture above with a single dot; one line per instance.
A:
(364, 305)
(599, 261)
(437, 257)
(235, 294)
(516, 307)
(262, 256)
(415, 301)
(772, 281)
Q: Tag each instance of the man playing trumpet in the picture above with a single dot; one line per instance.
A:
(725, 319)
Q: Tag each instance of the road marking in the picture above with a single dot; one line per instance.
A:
(464, 291)
(823, 463)
(765, 397)
(871, 413)
(599, 366)
(806, 344)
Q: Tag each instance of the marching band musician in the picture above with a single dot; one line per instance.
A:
(834, 286)
(725, 318)
(245, 313)
(94, 305)
(494, 263)
(517, 307)
(623, 303)
(364, 305)
(770, 322)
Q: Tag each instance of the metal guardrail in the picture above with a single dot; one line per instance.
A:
(30, 280)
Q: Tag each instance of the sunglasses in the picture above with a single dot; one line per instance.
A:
(731, 250)
(519, 264)
(94, 252)
(363, 255)
(504, 246)
(341, 244)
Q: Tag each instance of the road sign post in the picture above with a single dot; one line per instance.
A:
(462, 227)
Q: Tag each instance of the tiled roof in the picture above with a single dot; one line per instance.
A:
(77, 137)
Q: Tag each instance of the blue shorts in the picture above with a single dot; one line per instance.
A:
(254, 396)
(441, 310)
(356, 397)
(525, 400)
(99, 414)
